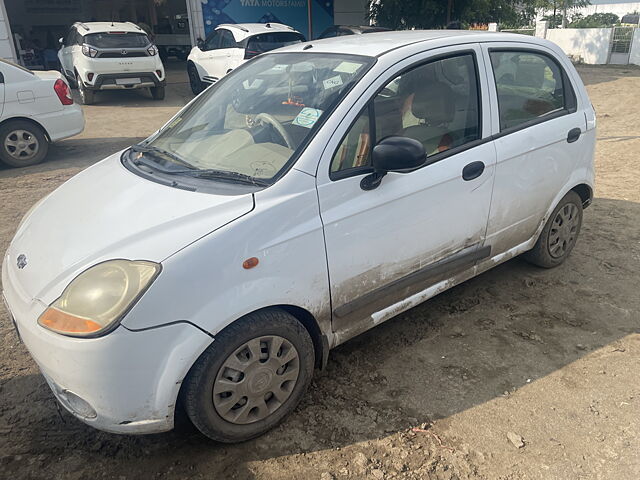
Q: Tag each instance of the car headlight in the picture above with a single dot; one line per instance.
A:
(96, 300)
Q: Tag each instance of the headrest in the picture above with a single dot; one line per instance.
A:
(434, 102)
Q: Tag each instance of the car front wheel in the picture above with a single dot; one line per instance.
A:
(22, 143)
(254, 373)
(559, 234)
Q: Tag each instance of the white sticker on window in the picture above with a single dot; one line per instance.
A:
(307, 117)
(252, 85)
(279, 68)
(347, 67)
(332, 82)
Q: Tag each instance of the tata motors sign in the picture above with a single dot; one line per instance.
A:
(297, 13)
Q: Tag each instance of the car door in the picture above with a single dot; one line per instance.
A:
(416, 228)
(228, 53)
(206, 58)
(538, 137)
(65, 54)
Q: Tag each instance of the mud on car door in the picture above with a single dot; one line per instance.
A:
(419, 227)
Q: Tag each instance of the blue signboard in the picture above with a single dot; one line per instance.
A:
(290, 12)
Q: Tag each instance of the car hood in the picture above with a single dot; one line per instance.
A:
(108, 212)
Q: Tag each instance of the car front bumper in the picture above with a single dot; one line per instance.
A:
(124, 382)
(109, 81)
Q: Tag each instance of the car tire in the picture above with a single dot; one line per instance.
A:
(157, 93)
(262, 388)
(194, 79)
(559, 235)
(22, 143)
(87, 96)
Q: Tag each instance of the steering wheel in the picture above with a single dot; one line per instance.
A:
(277, 126)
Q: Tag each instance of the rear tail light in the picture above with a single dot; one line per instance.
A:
(89, 51)
(250, 54)
(63, 91)
(152, 50)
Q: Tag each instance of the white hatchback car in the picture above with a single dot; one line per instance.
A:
(36, 108)
(230, 45)
(111, 56)
(305, 198)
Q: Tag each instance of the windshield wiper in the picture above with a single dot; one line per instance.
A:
(220, 175)
(159, 152)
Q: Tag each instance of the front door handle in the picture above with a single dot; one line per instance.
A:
(473, 170)
(573, 135)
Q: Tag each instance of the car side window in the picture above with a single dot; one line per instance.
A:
(70, 39)
(212, 41)
(436, 103)
(529, 85)
(227, 40)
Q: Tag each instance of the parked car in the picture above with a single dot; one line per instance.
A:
(229, 46)
(111, 56)
(36, 108)
(342, 30)
(310, 196)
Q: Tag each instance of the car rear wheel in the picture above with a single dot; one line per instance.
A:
(157, 93)
(87, 96)
(22, 143)
(253, 375)
(194, 79)
(559, 235)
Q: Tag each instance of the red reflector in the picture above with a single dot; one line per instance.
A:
(250, 263)
(89, 76)
(159, 73)
(64, 93)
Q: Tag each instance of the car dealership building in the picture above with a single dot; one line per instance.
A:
(30, 27)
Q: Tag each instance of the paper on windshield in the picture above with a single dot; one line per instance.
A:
(307, 117)
(347, 67)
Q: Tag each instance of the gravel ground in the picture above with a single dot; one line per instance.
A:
(520, 373)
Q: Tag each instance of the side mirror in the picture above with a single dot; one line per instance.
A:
(61, 41)
(200, 43)
(393, 154)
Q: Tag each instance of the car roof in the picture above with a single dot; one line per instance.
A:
(85, 28)
(244, 30)
(379, 43)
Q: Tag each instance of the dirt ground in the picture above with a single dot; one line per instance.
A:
(547, 356)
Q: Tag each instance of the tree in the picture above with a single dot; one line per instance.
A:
(595, 20)
(559, 5)
(407, 14)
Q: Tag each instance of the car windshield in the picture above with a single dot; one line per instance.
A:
(251, 123)
(117, 40)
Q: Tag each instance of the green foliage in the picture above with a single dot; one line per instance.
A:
(595, 20)
(407, 14)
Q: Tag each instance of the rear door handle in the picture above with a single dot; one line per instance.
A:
(573, 135)
(473, 170)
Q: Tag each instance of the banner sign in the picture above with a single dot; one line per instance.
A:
(290, 12)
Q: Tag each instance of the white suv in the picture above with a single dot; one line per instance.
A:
(108, 56)
(229, 46)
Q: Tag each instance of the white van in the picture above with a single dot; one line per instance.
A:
(111, 56)
(305, 198)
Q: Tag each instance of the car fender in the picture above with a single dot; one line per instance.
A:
(211, 286)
